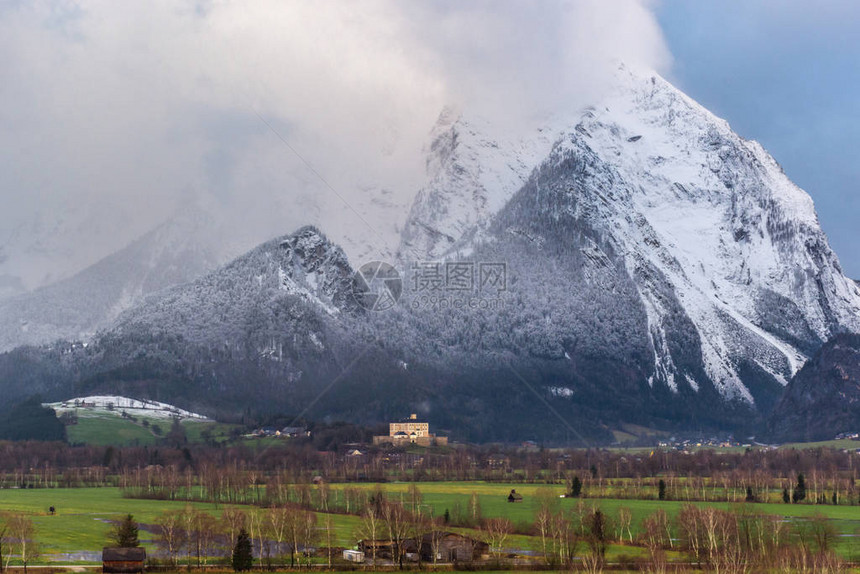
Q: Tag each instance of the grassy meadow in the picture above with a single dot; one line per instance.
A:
(111, 429)
(83, 515)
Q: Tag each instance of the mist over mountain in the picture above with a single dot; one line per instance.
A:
(175, 252)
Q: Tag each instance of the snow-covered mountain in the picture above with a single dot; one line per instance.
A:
(659, 269)
(473, 169)
(260, 294)
(705, 223)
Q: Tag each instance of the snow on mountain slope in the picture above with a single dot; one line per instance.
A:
(473, 169)
(699, 215)
(102, 404)
(260, 292)
(732, 234)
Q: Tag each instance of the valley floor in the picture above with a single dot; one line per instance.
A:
(79, 529)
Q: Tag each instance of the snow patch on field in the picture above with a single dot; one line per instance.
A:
(101, 404)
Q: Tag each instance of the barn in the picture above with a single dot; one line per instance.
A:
(452, 547)
(123, 560)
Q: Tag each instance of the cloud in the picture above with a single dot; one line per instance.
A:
(113, 115)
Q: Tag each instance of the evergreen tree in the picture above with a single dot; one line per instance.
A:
(243, 558)
(661, 489)
(29, 420)
(786, 498)
(597, 534)
(799, 490)
(124, 533)
(575, 487)
(750, 495)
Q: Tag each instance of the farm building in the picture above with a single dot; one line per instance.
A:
(515, 496)
(446, 546)
(123, 560)
(452, 547)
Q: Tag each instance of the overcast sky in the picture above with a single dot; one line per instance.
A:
(785, 73)
(113, 115)
(116, 115)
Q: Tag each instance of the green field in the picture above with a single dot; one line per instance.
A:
(105, 429)
(847, 444)
(83, 515)
(439, 496)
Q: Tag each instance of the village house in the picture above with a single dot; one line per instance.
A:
(410, 431)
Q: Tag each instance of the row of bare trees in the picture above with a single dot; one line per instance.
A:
(46, 464)
(833, 487)
(735, 541)
(276, 532)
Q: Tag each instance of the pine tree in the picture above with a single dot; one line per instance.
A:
(124, 533)
(243, 558)
(661, 489)
(799, 490)
(575, 487)
(786, 498)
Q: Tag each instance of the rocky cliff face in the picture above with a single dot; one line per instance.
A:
(823, 399)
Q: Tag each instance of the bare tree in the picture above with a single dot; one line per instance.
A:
(329, 527)
(543, 525)
(437, 537)
(414, 497)
(170, 533)
(397, 521)
(308, 534)
(22, 532)
(474, 508)
(255, 529)
(205, 528)
(232, 521)
(496, 532)
(654, 542)
(370, 528)
(4, 542)
(625, 517)
(189, 520)
(277, 526)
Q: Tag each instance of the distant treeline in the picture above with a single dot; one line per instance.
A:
(29, 420)
(233, 473)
